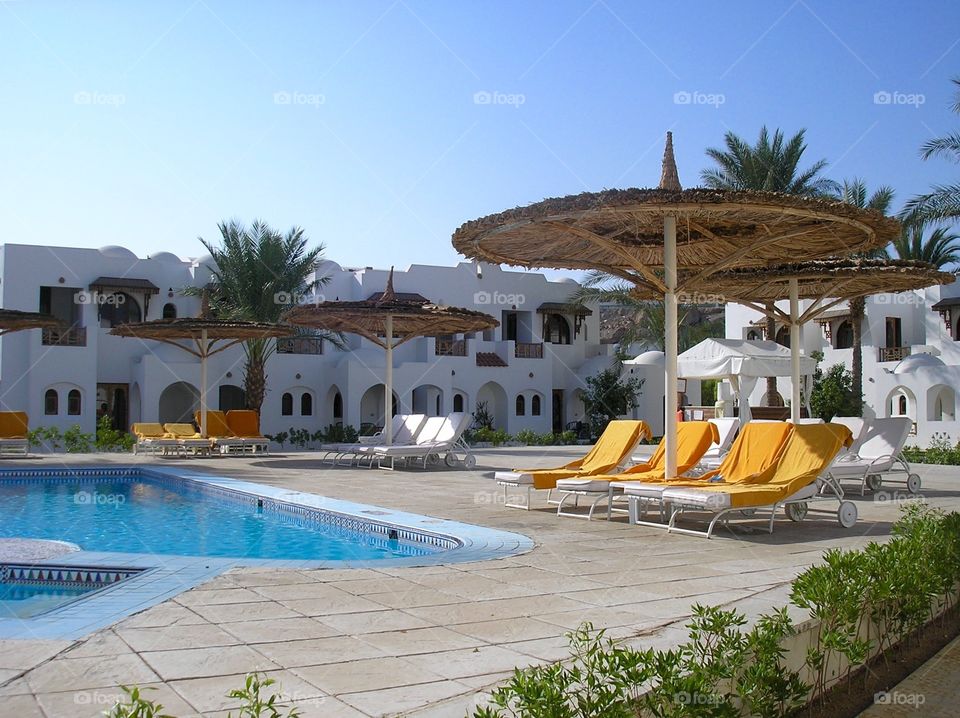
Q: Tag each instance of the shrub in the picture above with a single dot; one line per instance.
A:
(832, 393)
(76, 442)
(48, 436)
(109, 439)
(608, 396)
(338, 434)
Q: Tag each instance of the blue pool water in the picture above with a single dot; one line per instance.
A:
(24, 601)
(152, 516)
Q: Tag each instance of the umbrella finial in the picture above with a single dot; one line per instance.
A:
(388, 293)
(669, 179)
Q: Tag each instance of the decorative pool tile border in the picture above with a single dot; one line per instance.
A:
(62, 576)
(168, 576)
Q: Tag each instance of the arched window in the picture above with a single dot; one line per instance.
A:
(232, 397)
(169, 310)
(521, 405)
(752, 335)
(535, 405)
(73, 402)
(286, 404)
(783, 337)
(337, 406)
(118, 308)
(844, 335)
(902, 405)
(306, 404)
(51, 402)
(458, 402)
(558, 330)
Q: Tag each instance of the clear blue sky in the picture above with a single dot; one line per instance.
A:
(145, 123)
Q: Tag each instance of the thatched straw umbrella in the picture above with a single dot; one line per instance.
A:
(388, 322)
(203, 337)
(827, 283)
(13, 320)
(647, 236)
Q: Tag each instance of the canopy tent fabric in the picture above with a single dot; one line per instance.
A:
(742, 362)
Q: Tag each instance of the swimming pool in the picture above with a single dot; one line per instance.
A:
(154, 515)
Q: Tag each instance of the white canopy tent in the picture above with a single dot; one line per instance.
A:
(740, 361)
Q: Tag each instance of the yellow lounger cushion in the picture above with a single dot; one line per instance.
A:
(146, 430)
(182, 431)
(244, 423)
(217, 426)
(693, 440)
(13, 425)
(611, 449)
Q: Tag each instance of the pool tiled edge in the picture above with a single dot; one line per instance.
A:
(166, 576)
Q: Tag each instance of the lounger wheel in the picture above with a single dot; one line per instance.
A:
(913, 483)
(796, 512)
(450, 460)
(874, 482)
(469, 461)
(847, 514)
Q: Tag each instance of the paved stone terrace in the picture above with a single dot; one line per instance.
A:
(420, 641)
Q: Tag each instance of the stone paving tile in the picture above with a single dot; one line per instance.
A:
(164, 614)
(25, 706)
(230, 612)
(319, 651)
(203, 597)
(210, 694)
(343, 603)
(26, 654)
(471, 661)
(281, 629)
(471, 612)
(366, 675)
(373, 622)
(92, 703)
(202, 635)
(201, 662)
(403, 698)
(507, 630)
(420, 640)
(73, 674)
(104, 643)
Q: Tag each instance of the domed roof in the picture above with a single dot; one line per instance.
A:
(567, 280)
(650, 358)
(916, 361)
(115, 251)
(165, 257)
(328, 266)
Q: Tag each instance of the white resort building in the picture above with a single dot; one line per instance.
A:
(911, 354)
(529, 371)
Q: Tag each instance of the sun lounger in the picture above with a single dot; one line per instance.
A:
(13, 432)
(879, 457)
(406, 428)
(440, 435)
(755, 450)
(727, 428)
(153, 438)
(858, 427)
(245, 424)
(794, 482)
(188, 439)
(693, 439)
(612, 449)
(219, 432)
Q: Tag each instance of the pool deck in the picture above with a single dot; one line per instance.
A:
(423, 641)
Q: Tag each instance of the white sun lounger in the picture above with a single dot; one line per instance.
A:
(858, 427)
(406, 428)
(727, 427)
(440, 435)
(879, 457)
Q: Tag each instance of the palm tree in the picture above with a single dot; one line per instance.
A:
(855, 192)
(772, 165)
(257, 273)
(943, 202)
(939, 249)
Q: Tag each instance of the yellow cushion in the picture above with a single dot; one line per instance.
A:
(13, 425)
(182, 431)
(612, 448)
(145, 430)
(693, 440)
(245, 423)
(216, 424)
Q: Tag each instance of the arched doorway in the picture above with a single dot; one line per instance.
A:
(178, 402)
(428, 399)
(232, 397)
(493, 396)
(372, 409)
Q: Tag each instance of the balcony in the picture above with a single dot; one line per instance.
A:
(72, 337)
(528, 350)
(893, 353)
(451, 348)
(300, 345)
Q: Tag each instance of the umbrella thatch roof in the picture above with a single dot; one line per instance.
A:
(173, 331)
(13, 320)
(410, 318)
(620, 231)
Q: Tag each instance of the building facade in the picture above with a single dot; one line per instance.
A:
(529, 372)
(911, 354)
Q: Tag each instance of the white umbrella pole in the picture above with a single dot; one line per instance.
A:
(203, 382)
(794, 351)
(670, 343)
(388, 384)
